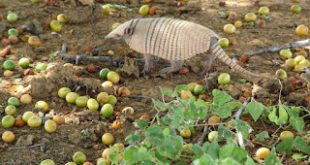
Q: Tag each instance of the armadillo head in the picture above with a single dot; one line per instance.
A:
(122, 32)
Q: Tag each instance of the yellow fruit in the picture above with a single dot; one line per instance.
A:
(58, 119)
(42, 105)
(302, 30)
(238, 24)
(25, 99)
(185, 94)
(290, 62)
(186, 133)
(34, 121)
(250, 17)
(214, 120)
(105, 153)
(103, 97)
(8, 136)
(229, 28)
(107, 139)
(286, 134)
(262, 153)
(299, 58)
(50, 126)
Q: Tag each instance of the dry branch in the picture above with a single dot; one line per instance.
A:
(271, 49)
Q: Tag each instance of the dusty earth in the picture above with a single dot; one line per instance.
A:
(33, 145)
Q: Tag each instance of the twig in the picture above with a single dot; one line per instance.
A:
(271, 49)
(237, 117)
(203, 136)
(24, 147)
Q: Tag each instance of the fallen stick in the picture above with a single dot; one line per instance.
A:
(271, 49)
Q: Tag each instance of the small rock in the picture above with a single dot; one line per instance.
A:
(25, 140)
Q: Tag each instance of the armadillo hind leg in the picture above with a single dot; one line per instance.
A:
(148, 63)
(175, 66)
(210, 57)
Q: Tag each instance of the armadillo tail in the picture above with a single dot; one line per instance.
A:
(222, 56)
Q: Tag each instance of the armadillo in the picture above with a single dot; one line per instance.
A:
(174, 40)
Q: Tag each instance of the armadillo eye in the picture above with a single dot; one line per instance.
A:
(127, 31)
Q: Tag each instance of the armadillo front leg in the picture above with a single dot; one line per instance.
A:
(148, 63)
(175, 66)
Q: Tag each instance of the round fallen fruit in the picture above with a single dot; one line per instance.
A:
(88, 163)
(55, 26)
(34, 121)
(262, 153)
(8, 121)
(41, 67)
(102, 161)
(290, 62)
(107, 84)
(186, 133)
(27, 115)
(62, 92)
(238, 24)
(8, 73)
(250, 17)
(123, 92)
(223, 78)
(229, 28)
(10, 110)
(107, 139)
(25, 99)
(13, 39)
(79, 157)
(71, 97)
(50, 126)
(71, 163)
(299, 58)
(199, 89)
(92, 104)
(286, 53)
(19, 122)
(8, 65)
(299, 67)
(112, 100)
(42, 105)
(105, 153)
(302, 30)
(24, 62)
(106, 110)
(223, 42)
(103, 97)
(113, 77)
(214, 120)
(286, 134)
(106, 9)
(81, 101)
(185, 94)
(12, 32)
(295, 9)
(103, 73)
(144, 10)
(14, 101)
(8, 136)
(34, 41)
(280, 73)
(47, 162)
(62, 18)
(58, 119)
(213, 136)
(12, 17)
(263, 10)
(191, 86)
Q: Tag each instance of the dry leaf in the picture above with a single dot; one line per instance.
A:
(87, 2)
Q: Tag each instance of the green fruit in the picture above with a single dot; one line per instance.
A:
(102, 162)
(286, 53)
(106, 110)
(11, 17)
(263, 11)
(223, 42)
(50, 126)
(34, 121)
(8, 121)
(10, 110)
(42, 105)
(290, 62)
(24, 62)
(295, 9)
(47, 162)
(112, 100)
(79, 157)
(8, 65)
(199, 89)
(103, 73)
(144, 10)
(41, 67)
(62, 92)
(71, 163)
(27, 115)
(280, 73)
(14, 101)
(223, 78)
(250, 17)
(113, 77)
(55, 26)
(12, 32)
(213, 136)
(81, 101)
(71, 97)
(92, 104)
(191, 86)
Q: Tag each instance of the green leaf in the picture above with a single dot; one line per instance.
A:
(225, 133)
(197, 150)
(294, 111)
(283, 116)
(226, 151)
(250, 161)
(301, 145)
(285, 146)
(168, 92)
(243, 127)
(142, 123)
(179, 88)
(262, 136)
(299, 156)
(160, 105)
(272, 159)
(154, 135)
(230, 161)
(133, 155)
(255, 109)
(273, 116)
(212, 149)
(225, 110)
(204, 160)
(220, 97)
(133, 138)
(239, 155)
(171, 147)
(297, 123)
